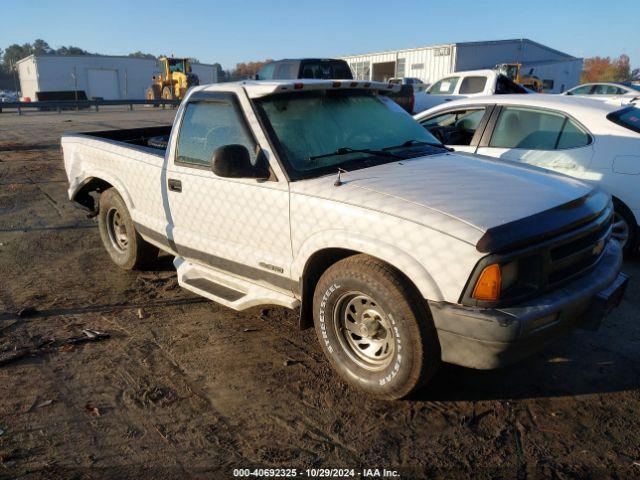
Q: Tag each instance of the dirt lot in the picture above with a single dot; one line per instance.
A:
(186, 388)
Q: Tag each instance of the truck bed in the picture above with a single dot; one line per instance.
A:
(150, 137)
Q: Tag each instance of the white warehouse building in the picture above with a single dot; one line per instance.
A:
(106, 77)
(559, 71)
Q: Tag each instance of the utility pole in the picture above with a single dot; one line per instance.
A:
(75, 86)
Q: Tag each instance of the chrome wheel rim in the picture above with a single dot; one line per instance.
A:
(364, 331)
(117, 230)
(620, 229)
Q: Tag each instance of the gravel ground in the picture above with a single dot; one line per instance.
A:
(187, 388)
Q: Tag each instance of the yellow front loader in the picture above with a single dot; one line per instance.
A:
(173, 82)
(512, 70)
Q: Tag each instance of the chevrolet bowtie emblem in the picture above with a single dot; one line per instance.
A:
(598, 248)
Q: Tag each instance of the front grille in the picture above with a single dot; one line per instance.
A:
(581, 250)
(545, 265)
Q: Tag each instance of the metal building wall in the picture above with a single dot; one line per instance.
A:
(564, 73)
(547, 63)
(68, 73)
(479, 55)
(28, 76)
(426, 63)
(432, 63)
(206, 73)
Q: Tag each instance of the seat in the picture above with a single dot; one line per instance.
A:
(510, 132)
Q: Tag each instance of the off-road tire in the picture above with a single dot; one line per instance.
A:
(153, 93)
(413, 342)
(126, 247)
(167, 93)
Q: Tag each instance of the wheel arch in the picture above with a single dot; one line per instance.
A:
(620, 205)
(82, 192)
(309, 268)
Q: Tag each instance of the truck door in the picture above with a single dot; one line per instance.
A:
(239, 226)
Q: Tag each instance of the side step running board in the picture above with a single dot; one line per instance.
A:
(214, 289)
(226, 289)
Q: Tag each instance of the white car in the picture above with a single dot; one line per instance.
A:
(326, 195)
(606, 91)
(595, 141)
(471, 83)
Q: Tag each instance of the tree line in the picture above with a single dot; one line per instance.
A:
(15, 52)
(11, 54)
(606, 69)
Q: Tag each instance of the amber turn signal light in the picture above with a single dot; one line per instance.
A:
(488, 285)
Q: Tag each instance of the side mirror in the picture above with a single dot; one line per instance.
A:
(234, 161)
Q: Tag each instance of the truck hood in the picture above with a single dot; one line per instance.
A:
(463, 195)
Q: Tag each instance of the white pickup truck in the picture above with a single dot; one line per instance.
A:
(325, 195)
(470, 83)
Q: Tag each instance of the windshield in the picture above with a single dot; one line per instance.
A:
(335, 69)
(176, 65)
(316, 132)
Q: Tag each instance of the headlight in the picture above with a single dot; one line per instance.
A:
(509, 274)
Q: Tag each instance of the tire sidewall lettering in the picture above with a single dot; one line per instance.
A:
(325, 323)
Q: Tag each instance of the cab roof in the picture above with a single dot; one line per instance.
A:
(262, 88)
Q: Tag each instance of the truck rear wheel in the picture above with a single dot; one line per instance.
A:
(125, 246)
(375, 328)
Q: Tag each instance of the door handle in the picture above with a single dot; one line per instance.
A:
(174, 185)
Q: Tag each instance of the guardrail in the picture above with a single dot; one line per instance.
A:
(81, 104)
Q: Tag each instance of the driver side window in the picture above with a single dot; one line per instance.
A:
(208, 125)
(456, 127)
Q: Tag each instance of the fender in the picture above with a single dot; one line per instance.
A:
(394, 256)
(85, 177)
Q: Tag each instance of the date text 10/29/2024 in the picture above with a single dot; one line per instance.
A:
(315, 473)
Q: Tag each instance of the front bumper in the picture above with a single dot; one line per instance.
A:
(492, 338)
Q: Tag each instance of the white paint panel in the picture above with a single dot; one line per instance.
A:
(428, 63)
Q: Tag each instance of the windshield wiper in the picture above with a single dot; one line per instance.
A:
(347, 150)
(411, 143)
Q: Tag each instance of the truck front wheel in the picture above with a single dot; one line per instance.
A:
(375, 328)
(119, 236)
(167, 93)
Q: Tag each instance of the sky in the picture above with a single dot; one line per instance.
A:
(233, 31)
